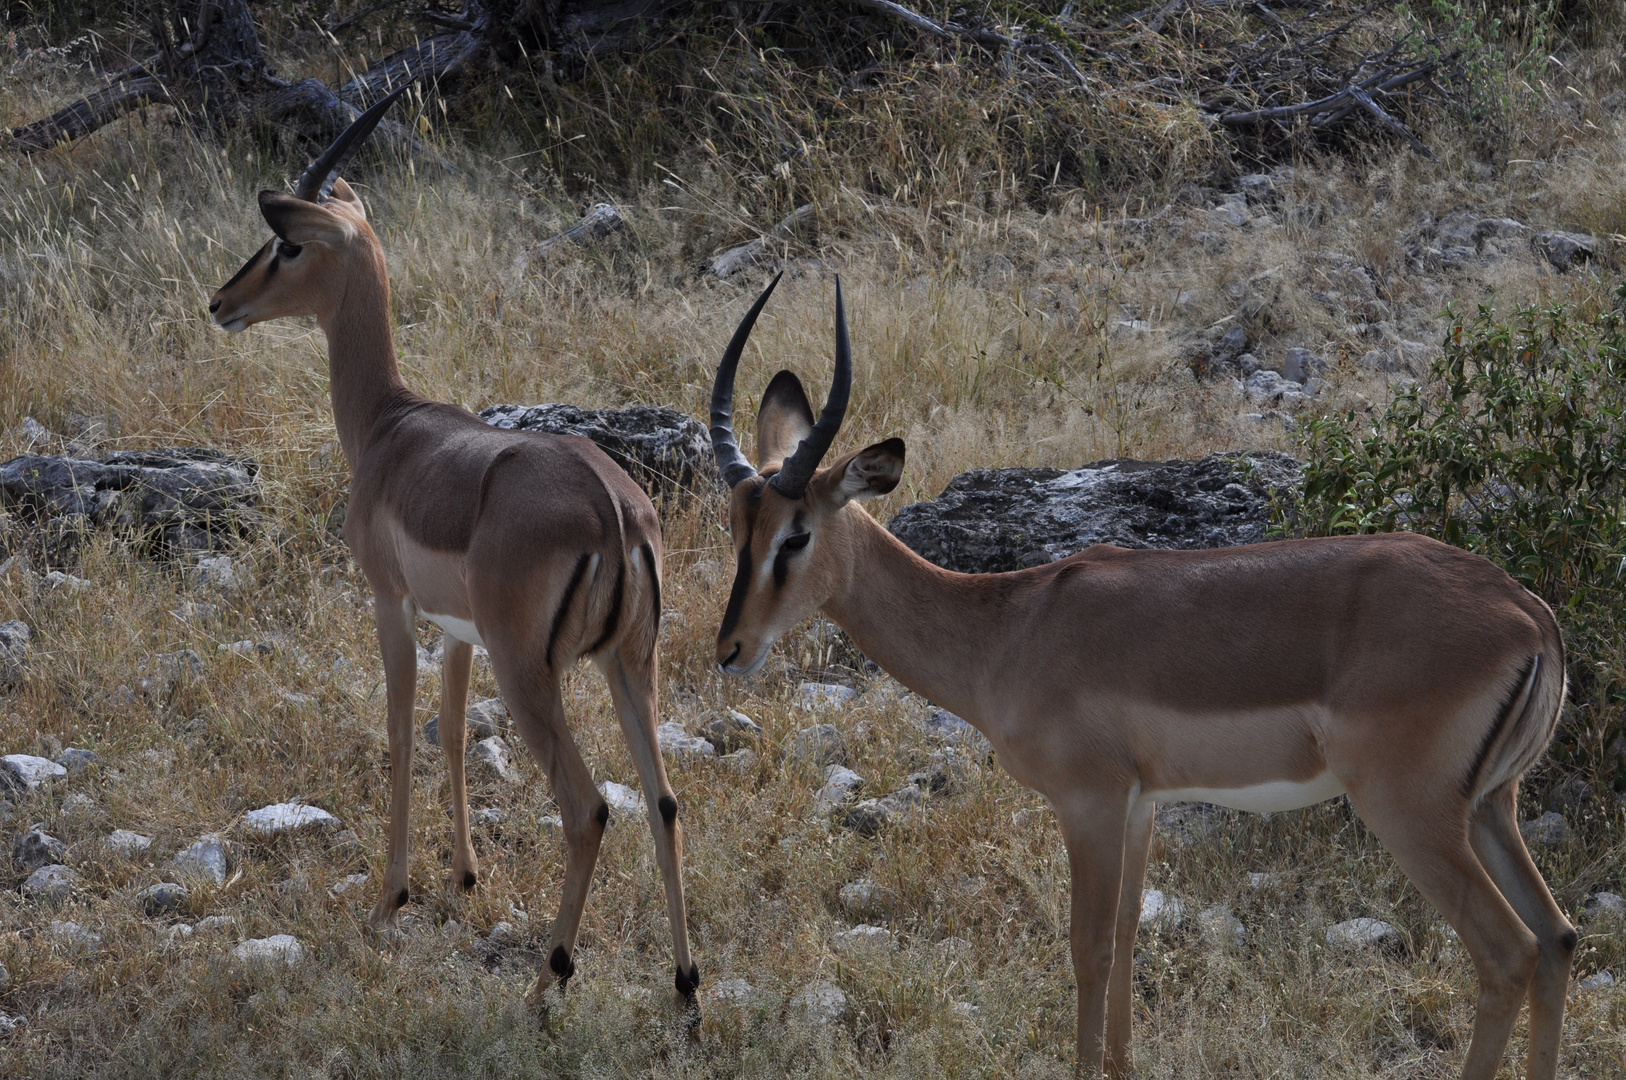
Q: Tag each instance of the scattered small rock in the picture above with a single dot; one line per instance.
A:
(811, 695)
(1572, 796)
(740, 761)
(735, 992)
(862, 938)
(1221, 927)
(210, 924)
(481, 720)
(1300, 365)
(1603, 980)
(1605, 905)
(730, 731)
(76, 759)
(215, 572)
(57, 580)
(127, 844)
(1264, 881)
(25, 772)
(346, 883)
(840, 783)
(683, 748)
(161, 899)
(282, 819)
(820, 745)
(551, 825)
(50, 884)
(14, 639)
(161, 675)
(74, 936)
(819, 1004)
(622, 799)
(10, 1024)
(859, 896)
(206, 858)
(283, 947)
(1360, 933)
(491, 757)
(487, 815)
(504, 933)
(868, 816)
(1161, 910)
(1548, 830)
(36, 848)
(1564, 250)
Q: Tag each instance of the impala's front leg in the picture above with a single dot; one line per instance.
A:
(1093, 827)
(400, 653)
(457, 657)
(1120, 996)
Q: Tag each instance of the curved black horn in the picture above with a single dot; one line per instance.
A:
(729, 459)
(791, 479)
(316, 182)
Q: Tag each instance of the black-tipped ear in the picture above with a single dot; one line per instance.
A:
(863, 474)
(299, 222)
(783, 421)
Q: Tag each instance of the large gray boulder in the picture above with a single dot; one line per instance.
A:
(993, 520)
(661, 448)
(178, 499)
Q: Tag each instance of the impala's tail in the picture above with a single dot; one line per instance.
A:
(1524, 726)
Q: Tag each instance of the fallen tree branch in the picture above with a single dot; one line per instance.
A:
(88, 113)
(597, 224)
(1389, 122)
(749, 254)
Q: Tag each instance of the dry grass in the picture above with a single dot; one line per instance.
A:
(984, 338)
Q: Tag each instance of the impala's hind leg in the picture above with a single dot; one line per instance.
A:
(632, 685)
(458, 658)
(1496, 840)
(1426, 830)
(400, 654)
(1120, 999)
(539, 717)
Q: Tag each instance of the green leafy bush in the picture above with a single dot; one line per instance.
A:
(1514, 447)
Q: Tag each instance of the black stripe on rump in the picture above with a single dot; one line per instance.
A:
(654, 581)
(613, 620)
(564, 605)
(1506, 717)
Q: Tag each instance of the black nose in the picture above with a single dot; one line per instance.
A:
(214, 306)
(730, 658)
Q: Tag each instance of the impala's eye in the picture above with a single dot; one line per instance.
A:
(796, 542)
(288, 250)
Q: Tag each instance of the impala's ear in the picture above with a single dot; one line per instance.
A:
(300, 222)
(342, 193)
(862, 474)
(783, 421)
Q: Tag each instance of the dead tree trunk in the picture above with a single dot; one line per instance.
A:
(211, 67)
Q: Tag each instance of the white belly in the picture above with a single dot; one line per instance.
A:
(1260, 798)
(461, 629)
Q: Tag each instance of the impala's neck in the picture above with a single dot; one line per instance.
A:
(929, 628)
(363, 379)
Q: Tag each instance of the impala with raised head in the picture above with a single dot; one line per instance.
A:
(1417, 678)
(536, 547)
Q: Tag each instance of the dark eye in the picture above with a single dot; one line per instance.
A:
(288, 250)
(796, 542)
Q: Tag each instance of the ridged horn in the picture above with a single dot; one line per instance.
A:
(791, 479)
(730, 460)
(316, 182)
